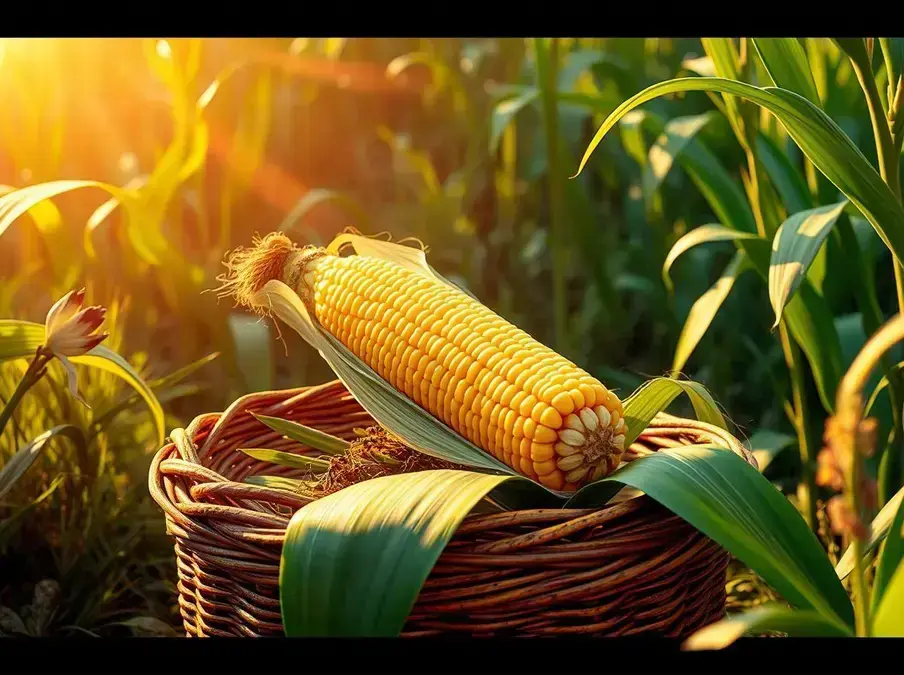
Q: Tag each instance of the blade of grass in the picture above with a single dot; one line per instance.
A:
(305, 435)
(287, 459)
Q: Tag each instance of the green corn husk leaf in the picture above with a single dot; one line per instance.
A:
(287, 459)
(355, 561)
(655, 395)
(415, 426)
(305, 435)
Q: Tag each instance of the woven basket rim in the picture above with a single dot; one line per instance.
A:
(661, 420)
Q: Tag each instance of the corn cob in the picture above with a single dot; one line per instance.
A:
(491, 382)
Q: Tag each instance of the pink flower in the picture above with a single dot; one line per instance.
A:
(70, 330)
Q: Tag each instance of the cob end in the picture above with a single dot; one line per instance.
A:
(590, 444)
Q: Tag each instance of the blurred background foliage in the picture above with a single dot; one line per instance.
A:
(458, 142)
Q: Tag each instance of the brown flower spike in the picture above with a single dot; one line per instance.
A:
(834, 463)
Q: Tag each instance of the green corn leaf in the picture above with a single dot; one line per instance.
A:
(46, 216)
(878, 530)
(704, 310)
(796, 244)
(699, 235)
(889, 619)
(812, 326)
(143, 232)
(729, 501)
(166, 388)
(19, 463)
(891, 556)
(722, 193)
(654, 396)
(766, 444)
(770, 618)
(818, 136)
(676, 135)
(354, 562)
(788, 182)
(181, 373)
(880, 386)
(287, 459)
(105, 359)
(726, 63)
(505, 111)
(305, 435)
(577, 62)
(855, 48)
(807, 314)
(787, 65)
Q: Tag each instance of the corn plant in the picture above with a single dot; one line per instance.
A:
(778, 229)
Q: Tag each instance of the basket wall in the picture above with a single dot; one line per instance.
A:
(629, 568)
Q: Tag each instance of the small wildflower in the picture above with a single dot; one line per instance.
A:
(70, 330)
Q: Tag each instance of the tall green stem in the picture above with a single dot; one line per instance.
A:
(807, 488)
(547, 76)
(34, 373)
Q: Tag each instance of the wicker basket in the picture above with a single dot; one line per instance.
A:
(628, 568)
